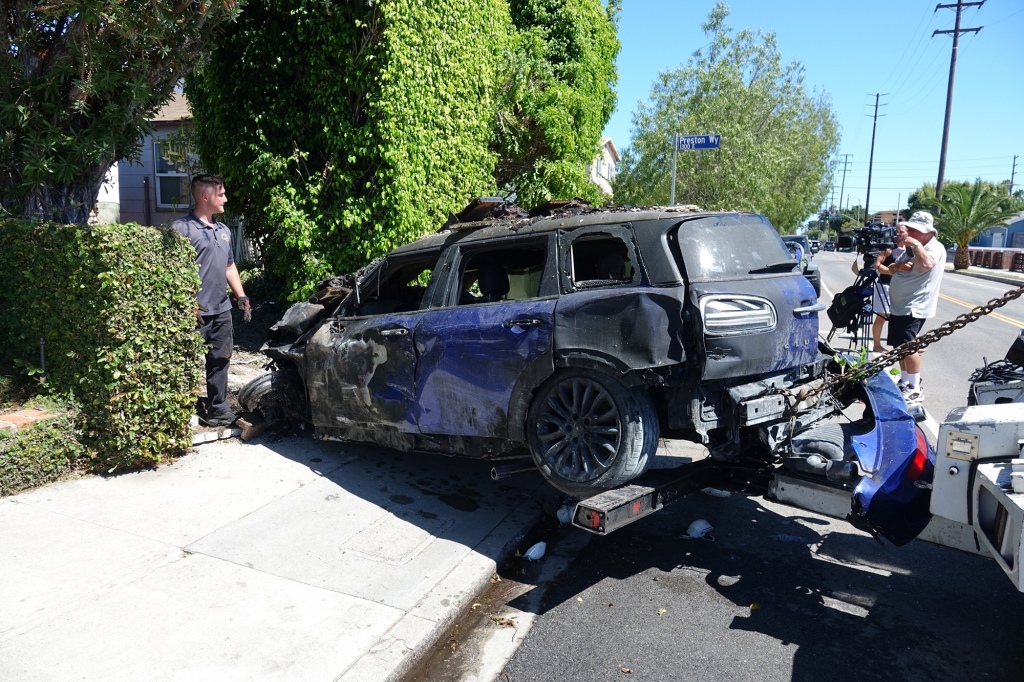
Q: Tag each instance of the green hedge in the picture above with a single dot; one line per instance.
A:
(42, 453)
(116, 307)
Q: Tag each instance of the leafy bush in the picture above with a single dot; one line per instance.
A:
(115, 306)
(42, 453)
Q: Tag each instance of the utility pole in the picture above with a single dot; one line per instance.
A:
(871, 161)
(842, 187)
(1013, 173)
(960, 4)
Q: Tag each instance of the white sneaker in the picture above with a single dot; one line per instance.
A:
(914, 395)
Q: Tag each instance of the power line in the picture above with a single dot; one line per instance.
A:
(997, 21)
(906, 47)
(909, 73)
(842, 187)
(974, 158)
(926, 84)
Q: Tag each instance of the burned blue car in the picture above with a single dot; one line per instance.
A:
(574, 339)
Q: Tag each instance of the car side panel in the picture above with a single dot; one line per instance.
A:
(360, 372)
(628, 327)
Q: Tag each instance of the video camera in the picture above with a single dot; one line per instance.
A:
(870, 239)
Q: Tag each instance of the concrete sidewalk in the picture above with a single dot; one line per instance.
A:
(1015, 279)
(292, 559)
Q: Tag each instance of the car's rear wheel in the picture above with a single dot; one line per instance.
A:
(587, 432)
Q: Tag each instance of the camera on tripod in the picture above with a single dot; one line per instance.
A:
(869, 240)
(852, 308)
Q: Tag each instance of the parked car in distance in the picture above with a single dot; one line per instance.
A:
(830, 246)
(815, 246)
(576, 338)
(807, 266)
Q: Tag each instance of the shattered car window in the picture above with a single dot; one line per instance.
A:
(397, 286)
(508, 274)
(600, 260)
(729, 246)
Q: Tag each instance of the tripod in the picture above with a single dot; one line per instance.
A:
(854, 306)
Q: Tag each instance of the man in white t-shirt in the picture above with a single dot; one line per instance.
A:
(914, 295)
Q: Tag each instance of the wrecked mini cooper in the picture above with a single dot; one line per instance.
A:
(577, 337)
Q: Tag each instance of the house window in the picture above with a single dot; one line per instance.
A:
(171, 184)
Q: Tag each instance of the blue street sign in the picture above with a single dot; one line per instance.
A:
(690, 142)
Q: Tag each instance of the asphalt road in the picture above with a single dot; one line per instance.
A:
(779, 594)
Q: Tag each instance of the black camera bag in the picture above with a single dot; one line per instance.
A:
(848, 305)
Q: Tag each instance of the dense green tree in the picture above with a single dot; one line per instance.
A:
(78, 83)
(777, 138)
(555, 98)
(962, 213)
(346, 129)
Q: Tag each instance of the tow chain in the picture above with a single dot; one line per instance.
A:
(916, 345)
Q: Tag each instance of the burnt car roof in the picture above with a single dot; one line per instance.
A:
(494, 228)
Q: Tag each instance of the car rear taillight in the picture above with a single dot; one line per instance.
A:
(920, 457)
(727, 315)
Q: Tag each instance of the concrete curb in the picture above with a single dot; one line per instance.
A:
(414, 636)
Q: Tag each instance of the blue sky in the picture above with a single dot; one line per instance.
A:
(853, 50)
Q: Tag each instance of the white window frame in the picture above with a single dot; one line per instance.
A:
(157, 157)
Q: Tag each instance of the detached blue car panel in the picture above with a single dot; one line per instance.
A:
(894, 456)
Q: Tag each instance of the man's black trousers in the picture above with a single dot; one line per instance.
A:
(218, 334)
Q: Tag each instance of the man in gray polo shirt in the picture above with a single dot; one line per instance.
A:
(914, 295)
(217, 271)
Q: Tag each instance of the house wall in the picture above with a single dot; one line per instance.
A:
(1013, 235)
(131, 179)
(602, 170)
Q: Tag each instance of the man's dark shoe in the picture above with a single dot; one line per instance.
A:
(218, 419)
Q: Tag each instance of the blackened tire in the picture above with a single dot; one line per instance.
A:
(589, 433)
(825, 440)
(278, 396)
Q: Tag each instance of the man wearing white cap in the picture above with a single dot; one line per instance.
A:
(914, 295)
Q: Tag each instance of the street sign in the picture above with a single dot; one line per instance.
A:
(689, 142)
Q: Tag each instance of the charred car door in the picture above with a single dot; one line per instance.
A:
(361, 368)
(491, 336)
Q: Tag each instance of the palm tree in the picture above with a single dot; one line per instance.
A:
(964, 212)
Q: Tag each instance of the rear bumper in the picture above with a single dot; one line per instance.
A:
(887, 498)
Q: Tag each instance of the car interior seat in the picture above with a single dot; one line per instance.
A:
(611, 265)
(493, 281)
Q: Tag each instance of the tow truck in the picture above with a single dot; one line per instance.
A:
(976, 487)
